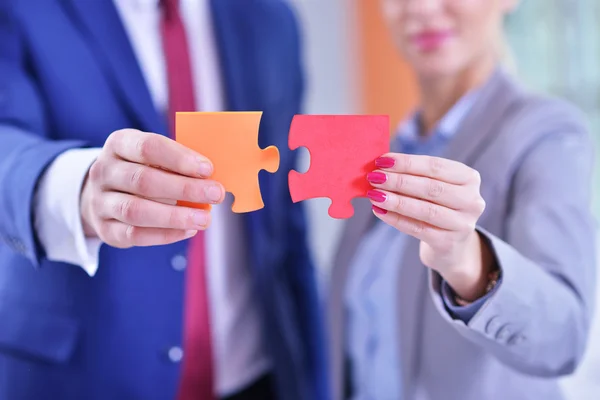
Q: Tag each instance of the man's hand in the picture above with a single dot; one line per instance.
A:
(130, 195)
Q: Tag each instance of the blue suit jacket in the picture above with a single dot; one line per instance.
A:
(68, 78)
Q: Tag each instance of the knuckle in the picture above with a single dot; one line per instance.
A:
(131, 234)
(115, 139)
(476, 177)
(431, 212)
(146, 146)
(405, 162)
(175, 218)
(128, 209)
(400, 183)
(418, 228)
(480, 204)
(112, 139)
(436, 165)
(189, 191)
(400, 202)
(97, 203)
(435, 189)
(138, 180)
(96, 171)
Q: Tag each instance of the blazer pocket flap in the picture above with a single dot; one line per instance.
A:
(35, 333)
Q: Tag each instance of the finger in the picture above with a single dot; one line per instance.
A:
(153, 149)
(122, 235)
(432, 190)
(149, 182)
(146, 213)
(165, 201)
(443, 169)
(418, 229)
(417, 209)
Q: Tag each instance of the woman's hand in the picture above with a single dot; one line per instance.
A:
(130, 195)
(437, 201)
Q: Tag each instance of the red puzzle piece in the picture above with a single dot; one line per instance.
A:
(342, 149)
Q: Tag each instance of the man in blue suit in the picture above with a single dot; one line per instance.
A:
(94, 253)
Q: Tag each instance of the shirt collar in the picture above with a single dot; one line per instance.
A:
(409, 131)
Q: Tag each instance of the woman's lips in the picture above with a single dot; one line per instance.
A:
(431, 40)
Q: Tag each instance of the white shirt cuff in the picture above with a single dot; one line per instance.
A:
(57, 214)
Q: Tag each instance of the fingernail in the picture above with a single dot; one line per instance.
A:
(379, 210)
(376, 177)
(376, 195)
(385, 162)
(190, 233)
(213, 193)
(205, 169)
(200, 218)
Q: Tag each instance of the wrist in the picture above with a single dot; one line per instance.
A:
(471, 278)
(84, 206)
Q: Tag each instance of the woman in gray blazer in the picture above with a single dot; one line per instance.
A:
(469, 273)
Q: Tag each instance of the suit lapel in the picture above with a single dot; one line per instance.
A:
(476, 133)
(227, 35)
(100, 23)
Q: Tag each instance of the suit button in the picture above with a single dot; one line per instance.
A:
(516, 339)
(504, 333)
(175, 354)
(179, 262)
(492, 326)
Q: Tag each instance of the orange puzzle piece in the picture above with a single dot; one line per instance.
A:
(230, 141)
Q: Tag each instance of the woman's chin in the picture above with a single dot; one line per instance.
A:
(433, 71)
(432, 67)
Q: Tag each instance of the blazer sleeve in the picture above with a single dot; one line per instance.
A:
(25, 148)
(538, 319)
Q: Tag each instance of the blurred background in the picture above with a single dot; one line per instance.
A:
(352, 67)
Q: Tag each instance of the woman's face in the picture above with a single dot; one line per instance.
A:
(444, 37)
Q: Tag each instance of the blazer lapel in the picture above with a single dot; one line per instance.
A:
(100, 23)
(475, 134)
(412, 281)
(476, 131)
(356, 227)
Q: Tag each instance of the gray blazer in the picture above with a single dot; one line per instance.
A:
(535, 157)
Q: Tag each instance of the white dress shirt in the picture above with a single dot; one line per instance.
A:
(239, 359)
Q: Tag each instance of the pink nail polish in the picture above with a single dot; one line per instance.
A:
(376, 195)
(379, 210)
(385, 162)
(376, 177)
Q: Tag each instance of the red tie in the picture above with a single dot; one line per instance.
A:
(197, 374)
